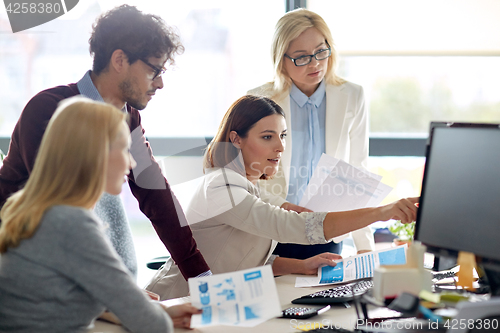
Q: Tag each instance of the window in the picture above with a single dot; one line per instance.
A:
(227, 52)
(405, 93)
(419, 61)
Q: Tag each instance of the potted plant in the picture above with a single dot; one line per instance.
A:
(404, 232)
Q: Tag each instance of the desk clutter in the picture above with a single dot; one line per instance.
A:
(462, 310)
(411, 313)
(387, 304)
(390, 281)
(457, 218)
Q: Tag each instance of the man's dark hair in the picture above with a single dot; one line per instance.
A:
(138, 35)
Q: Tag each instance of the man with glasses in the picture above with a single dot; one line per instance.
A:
(130, 51)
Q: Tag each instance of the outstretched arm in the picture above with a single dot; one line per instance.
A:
(339, 223)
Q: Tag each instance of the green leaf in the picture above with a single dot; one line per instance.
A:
(403, 231)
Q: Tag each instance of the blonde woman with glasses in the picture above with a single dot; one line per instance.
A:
(58, 271)
(324, 114)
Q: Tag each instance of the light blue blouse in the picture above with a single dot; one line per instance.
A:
(308, 140)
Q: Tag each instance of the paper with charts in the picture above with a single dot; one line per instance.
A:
(243, 298)
(356, 267)
(338, 186)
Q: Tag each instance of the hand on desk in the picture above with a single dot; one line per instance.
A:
(323, 259)
(283, 266)
(112, 318)
(152, 295)
(181, 314)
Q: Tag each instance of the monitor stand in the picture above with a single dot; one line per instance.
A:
(443, 263)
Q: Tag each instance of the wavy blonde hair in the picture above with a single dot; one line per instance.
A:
(70, 168)
(288, 28)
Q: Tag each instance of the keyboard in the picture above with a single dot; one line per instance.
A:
(443, 275)
(336, 294)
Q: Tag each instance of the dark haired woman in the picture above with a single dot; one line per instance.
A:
(233, 227)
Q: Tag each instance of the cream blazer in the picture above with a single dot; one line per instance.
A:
(346, 136)
(235, 229)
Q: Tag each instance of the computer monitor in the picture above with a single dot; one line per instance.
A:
(460, 199)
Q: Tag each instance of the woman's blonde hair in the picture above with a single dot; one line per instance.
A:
(288, 28)
(240, 117)
(70, 168)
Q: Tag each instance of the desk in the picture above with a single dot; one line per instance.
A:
(338, 314)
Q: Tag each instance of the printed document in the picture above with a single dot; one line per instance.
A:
(354, 268)
(338, 186)
(243, 298)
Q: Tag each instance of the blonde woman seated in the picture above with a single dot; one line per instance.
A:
(58, 271)
(233, 227)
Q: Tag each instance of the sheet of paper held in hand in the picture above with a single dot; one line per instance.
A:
(356, 267)
(338, 186)
(243, 298)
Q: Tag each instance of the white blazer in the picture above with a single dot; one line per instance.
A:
(235, 229)
(346, 136)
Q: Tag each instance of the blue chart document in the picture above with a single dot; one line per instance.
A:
(242, 298)
(356, 267)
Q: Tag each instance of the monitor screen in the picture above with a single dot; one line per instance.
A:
(460, 200)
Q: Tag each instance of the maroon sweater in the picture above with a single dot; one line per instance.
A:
(157, 204)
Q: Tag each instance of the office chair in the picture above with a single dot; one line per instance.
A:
(157, 262)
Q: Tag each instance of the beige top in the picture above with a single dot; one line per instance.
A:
(235, 229)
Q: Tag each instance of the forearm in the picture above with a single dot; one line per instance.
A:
(340, 223)
(283, 266)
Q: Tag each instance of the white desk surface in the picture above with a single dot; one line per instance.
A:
(338, 315)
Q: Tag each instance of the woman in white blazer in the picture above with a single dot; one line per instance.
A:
(304, 61)
(234, 227)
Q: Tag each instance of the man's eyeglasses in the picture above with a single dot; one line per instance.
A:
(306, 59)
(158, 72)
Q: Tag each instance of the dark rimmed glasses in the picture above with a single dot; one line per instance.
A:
(306, 59)
(158, 72)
